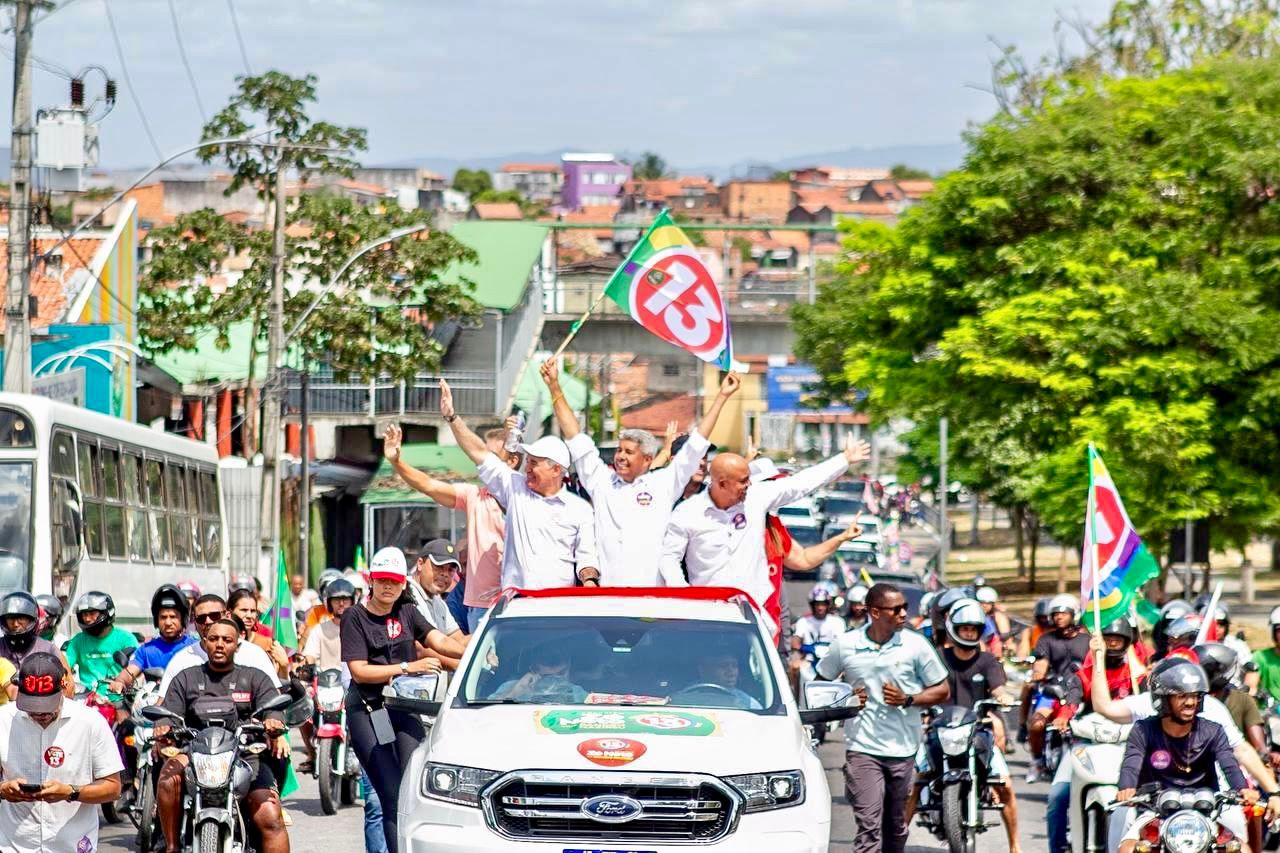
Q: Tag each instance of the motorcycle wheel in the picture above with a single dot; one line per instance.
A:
(146, 811)
(350, 788)
(1052, 757)
(210, 838)
(111, 813)
(960, 839)
(329, 780)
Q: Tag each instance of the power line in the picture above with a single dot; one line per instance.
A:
(235, 25)
(128, 81)
(182, 52)
(43, 64)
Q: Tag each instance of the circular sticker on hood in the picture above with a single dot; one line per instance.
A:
(611, 751)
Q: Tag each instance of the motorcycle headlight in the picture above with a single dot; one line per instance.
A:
(1187, 832)
(212, 771)
(329, 698)
(768, 791)
(456, 784)
(954, 740)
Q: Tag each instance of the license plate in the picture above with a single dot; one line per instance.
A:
(606, 850)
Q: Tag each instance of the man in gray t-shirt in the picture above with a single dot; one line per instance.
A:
(434, 574)
(897, 673)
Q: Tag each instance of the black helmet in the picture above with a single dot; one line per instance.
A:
(338, 588)
(1173, 676)
(1042, 608)
(168, 597)
(52, 607)
(1218, 662)
(20, 604)
(946, 600)
(1118, 628)
(103, 605)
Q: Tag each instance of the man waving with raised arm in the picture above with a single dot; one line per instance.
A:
(550, 532)
(633, 503)
(719, 533)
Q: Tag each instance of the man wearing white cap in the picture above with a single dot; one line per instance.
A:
(720, 533)
(550, 540)
(632, 503)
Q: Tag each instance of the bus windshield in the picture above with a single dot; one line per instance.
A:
(15, 524)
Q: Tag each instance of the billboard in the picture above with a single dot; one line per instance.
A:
(787, 388)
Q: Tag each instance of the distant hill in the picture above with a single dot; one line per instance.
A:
(936, 158)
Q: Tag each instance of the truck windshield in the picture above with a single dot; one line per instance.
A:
(621, 661)
(15, 525)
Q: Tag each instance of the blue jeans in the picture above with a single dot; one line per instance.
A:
(1057, 816)
(474, 615)
(374, 840)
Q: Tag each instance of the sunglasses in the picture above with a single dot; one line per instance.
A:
(896, 609)
(205, 618)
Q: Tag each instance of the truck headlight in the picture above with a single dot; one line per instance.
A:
(456, 784)
(767, 791)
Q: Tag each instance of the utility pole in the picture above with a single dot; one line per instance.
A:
(17, 302)
(304, 488)
(944, 532)
(269, 527)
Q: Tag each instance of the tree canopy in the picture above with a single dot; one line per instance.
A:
(1105, 268)
(651, 167)
(472, 182)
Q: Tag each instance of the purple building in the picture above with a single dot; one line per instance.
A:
(592, 179)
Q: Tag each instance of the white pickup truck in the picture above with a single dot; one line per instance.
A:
(612, 720)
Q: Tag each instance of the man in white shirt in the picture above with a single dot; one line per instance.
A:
(209, 608)
(719, 533)
(550, 538)
(58, 761)
(632, 503)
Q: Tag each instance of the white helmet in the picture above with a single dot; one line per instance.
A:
(1064, 603)
(357, 580)
(1274, 618)
(987, 595)
(965, 612)
(857, 594)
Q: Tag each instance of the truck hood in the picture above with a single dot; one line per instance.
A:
(719, 741)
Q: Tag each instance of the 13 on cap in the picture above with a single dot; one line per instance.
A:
(441, 553)
(388, 565)
(40, 683)
(549, 447)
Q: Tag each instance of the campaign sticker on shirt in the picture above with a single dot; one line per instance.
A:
(644, 498)
(84, 845)
(242, 696)
(54, 756)
(1160, 759)
(739, 521)
(394, 629)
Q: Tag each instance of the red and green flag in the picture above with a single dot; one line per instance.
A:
(665, 287)
(1116, 564)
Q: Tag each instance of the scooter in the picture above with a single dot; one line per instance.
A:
(1095, 768)
(1183, 820)
(219, 774)
(336, 767)
(957, 793)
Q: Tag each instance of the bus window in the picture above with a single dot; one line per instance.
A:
(66, 542)
(87, 454)
(113, 521)
(155, 484)
(111, 473)
(15, 525)
(131, 477)
(179, 527)
(15, 431)
(113, 517)
(211, 538)
(191, 484)
(159, 527)
(63, 455)
(212, 542)
(138, 541)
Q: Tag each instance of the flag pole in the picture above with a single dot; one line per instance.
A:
(1093, 544)
(1209, 614)
(577, 324)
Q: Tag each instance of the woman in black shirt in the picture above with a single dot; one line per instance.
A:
(378, 637)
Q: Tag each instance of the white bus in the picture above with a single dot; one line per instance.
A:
(93, 502)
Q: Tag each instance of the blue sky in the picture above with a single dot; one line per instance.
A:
(700, 81)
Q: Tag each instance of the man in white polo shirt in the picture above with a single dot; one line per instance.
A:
(632, 503)
(551, 538)
(58, 761)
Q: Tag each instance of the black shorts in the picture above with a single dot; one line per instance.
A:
(262, 779)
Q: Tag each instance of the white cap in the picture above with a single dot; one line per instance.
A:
(762, 468)
(987, 595)
(389, 564)
(549, 447)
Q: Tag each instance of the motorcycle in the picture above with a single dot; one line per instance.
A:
(1055, 741)
(1183, 820)
(1095, 767)
(143, 810)
(113, 812)
(813, 652)
(958, 752)
(218, 776)
(336, 767)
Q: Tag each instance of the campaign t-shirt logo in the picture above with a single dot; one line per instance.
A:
(84, 845)
(394, 629)
(739, 521)
(1160, 759)
(54, 756)
(242, 696)
(644, 498)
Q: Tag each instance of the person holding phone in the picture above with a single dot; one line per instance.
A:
(58, 762)
(378, 645)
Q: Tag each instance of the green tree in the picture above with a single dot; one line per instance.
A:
(179, 303)
(651, 167)
(1103, 269)
(472, 182)
(903, 172)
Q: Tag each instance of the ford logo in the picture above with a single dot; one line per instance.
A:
(612, 808)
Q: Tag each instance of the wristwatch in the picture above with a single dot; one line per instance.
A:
(404, 667)
(74, 796)
(911, 700)
(450, 418)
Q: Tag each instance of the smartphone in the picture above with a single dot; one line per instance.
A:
(30, 787)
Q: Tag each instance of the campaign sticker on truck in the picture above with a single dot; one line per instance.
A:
(611, 751)
(575, 721)
(606, 850)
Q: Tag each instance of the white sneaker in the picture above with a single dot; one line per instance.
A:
(1033, 775)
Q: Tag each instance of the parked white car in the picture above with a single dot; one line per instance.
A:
(628, 719)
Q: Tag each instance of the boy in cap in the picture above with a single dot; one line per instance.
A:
(58, 761)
